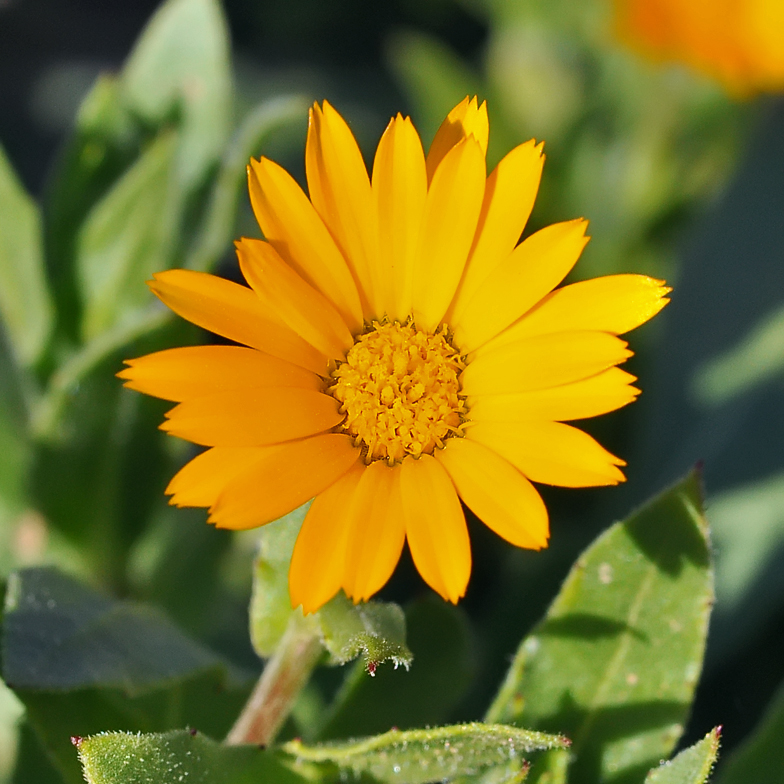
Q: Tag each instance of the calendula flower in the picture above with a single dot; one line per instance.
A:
(738, 42)
(399, 351)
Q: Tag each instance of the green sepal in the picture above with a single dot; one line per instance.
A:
(375, 630)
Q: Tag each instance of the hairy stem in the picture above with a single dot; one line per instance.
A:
(283, 678)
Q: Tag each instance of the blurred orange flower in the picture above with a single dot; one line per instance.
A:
(738, 42)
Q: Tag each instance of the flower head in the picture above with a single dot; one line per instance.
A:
(738, 42)
(398, 351)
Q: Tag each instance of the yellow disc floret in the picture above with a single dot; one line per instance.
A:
(399, 389)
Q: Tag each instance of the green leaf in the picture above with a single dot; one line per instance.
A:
(444, 665)
(25, 304)
(760, 759)
(127, 236)
(377, 630)
(105, 142)
(177, 757)
(59, 635)
(270, 606)
(614, 663)
(181, 64)
(424, 755)
(218, 224)
(691, 766)
(82, 663)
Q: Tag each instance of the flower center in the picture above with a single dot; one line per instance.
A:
(399, 390)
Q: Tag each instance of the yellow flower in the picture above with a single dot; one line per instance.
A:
(738, 42)
(399, 351)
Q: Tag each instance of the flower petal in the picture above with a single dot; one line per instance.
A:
(467, 119)
(498, 494)
(550, 452)
(182, 373)
(399, 192)
(509, 198)
(253, 417)
(319, 555)
(377, 532)
(303, 309)
(590, 397)
(285, 477)
(234, 312)
(293, 227)
(535, 267)
(340, 191)
(202, 480)
(435, 526)
(452, 207)
(614, 303)
(542, 361)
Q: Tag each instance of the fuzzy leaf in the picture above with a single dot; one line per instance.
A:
(691, 766)
(614, 663)
(424, 755)
(174, 758)
(25, 305)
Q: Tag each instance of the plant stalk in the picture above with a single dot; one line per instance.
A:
(286, 673)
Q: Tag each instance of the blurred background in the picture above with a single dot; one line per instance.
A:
(680, 178)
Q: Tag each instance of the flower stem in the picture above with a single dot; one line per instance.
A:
(279, 686)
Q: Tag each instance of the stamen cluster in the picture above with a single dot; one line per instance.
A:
(399, 389)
